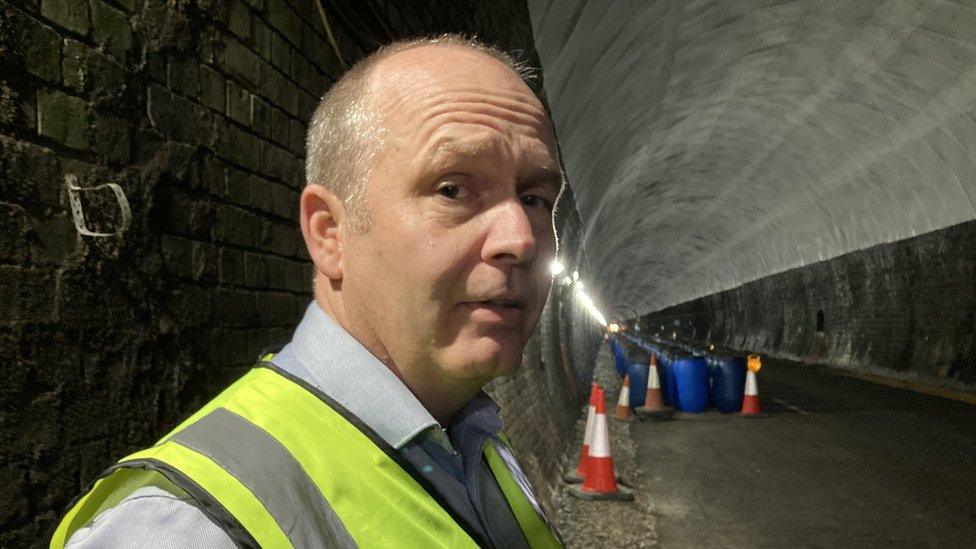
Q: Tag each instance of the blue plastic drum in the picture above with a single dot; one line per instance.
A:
(662, 374)
(691, 383)
(638, 383)
(619, 357)
(728, 376)
(671, 386)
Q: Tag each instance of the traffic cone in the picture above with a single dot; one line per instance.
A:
(600, 481)
(575, 477)
(653, 404)
(623, 411)
(750, 398)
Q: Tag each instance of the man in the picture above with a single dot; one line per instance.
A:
(432, 175)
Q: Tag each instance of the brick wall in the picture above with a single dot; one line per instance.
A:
(905, 309)
(197, 110)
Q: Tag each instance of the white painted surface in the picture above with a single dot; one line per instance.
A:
(624, 399)
(752, 387)
(652, 381)
(600, 445)
(588, 434)
(713, 143)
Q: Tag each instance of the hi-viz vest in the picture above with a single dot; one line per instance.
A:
(276, 463)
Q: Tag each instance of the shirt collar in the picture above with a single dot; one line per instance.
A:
(479, 414)
(339, 366)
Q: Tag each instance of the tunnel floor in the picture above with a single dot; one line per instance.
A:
(835, 462)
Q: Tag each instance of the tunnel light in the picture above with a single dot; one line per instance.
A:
(613, 328)
(556, 267)
(575, 276)
(589, 306)
(567, 281)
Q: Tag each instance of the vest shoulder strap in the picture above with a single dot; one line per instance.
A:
(501, 459)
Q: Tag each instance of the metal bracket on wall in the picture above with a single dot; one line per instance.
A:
(74, 196)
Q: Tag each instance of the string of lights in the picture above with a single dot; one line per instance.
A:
(574, 281)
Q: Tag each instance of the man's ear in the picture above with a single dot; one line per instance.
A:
(322, 219)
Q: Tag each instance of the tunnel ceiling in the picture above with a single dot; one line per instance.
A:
(711, 143)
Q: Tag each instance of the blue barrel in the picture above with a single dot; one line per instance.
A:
(668, 393)
(691, 383)
(728, 377)
(669, 390)
(638, 383)
(671, 385)
(619, 357)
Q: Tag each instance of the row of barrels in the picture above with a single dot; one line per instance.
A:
(692, 378)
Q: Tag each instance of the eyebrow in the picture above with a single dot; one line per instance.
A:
(548, 177)
(467, 148)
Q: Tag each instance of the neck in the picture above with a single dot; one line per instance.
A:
(442, 397)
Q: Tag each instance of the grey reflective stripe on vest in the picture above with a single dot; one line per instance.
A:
(271, 473)
(515, 468)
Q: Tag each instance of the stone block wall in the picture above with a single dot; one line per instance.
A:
(196, 109)
(905, 309)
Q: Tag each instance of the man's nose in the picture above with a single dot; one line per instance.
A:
(510, 234)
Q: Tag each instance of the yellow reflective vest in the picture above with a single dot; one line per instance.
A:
(278, 464)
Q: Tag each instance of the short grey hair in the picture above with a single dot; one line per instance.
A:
(345, 134)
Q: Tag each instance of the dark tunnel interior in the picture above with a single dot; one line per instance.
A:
(787, 178)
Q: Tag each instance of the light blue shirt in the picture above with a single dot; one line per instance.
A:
(327, 357)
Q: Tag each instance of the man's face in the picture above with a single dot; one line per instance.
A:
(452, 275)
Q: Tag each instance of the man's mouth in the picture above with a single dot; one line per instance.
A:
(501, 303)
(497, 311)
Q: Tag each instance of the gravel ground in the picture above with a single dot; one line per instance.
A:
(587, 524)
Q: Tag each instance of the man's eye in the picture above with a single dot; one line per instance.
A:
(451, 191)
(533, 200)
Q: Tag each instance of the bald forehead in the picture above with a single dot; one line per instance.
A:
(437, 99)
(446, 57)
(408, 73)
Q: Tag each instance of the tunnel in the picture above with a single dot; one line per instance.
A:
(788, 180)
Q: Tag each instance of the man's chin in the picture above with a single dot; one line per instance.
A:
(488, 358)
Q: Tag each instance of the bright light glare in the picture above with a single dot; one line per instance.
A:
(575, 275)
(556, 267)
(588, 304)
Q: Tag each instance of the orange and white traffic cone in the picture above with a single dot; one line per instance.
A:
(750, 398)
(600, 481)
(623, 411)
(575, 477)
(653, 403)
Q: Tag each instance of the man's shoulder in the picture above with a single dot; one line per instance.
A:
(152, 517)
